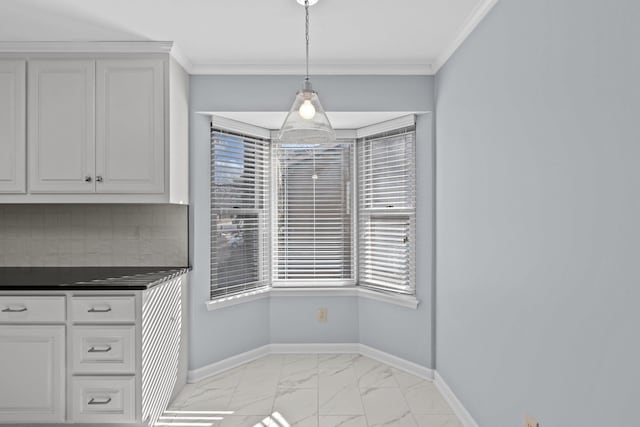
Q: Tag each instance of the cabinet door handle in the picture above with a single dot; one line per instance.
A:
(98, 178)
(99, 310)
(14, 310)
(106, 349)
(87, 179)
(95, 401)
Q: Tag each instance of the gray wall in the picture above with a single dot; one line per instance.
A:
(51, 235)
(293, 320)
(538, 143)
(409, 333)
(213, 335)
(222, 333)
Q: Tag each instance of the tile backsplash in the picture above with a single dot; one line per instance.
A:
(93, 235)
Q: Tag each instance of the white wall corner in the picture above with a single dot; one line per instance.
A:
(200, 374)
(396, 362)
(182, 59)
(476, 16)
(458, 408)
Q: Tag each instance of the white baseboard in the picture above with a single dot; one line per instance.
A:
(199, 374)
(458, 408)
(396, 362)
(314, 348)
(461, 412)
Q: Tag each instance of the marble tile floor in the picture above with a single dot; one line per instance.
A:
(311, 390)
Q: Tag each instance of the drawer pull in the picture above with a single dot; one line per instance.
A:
(103, 401)
(99, 310)
(14, 310)
(106, 349)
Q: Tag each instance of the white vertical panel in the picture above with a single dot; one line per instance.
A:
(61, 119)
(32, 373)
(130, 131)
(13, 92)
(161, 331)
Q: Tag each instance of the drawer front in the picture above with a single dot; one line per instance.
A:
(103, 399)
(103, 309)
(103, 349)
(32, 309)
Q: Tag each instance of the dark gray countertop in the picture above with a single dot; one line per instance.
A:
(85, 278)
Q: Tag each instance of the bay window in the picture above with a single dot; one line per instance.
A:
(387, 211)
(240, 197)
(312, 215)
(312, 228)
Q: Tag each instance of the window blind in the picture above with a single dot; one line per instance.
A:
(312, 242)
(239, 213)
(386, 219)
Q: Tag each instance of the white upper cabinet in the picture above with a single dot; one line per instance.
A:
(13, 91)
(130, 126)
(93, 122)
(61, 131)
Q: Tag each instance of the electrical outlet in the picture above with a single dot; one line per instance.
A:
(322, 315)
(530, 422)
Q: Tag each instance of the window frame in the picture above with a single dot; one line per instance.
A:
(318, 286)
(263, 236)
(353, 187)
(390, 213)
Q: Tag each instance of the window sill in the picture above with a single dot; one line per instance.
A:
(407, 301)
(238, 299)
(345, 291)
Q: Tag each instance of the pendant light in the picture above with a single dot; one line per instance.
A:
(307, 122)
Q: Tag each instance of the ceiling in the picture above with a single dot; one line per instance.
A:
(262, 37)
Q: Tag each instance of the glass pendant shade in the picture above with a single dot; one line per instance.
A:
(307, 122)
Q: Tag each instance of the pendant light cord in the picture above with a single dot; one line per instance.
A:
(306, 9)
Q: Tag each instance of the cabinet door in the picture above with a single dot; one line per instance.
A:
(13, 91)
(130, 130)
(61, 132)
(32, 369)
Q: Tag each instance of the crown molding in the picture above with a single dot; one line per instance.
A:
(87, 47)
(182, 59)
(316, 69)
(429, 67)
(478, 14)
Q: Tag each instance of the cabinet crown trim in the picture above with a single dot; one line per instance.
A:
(87, 47)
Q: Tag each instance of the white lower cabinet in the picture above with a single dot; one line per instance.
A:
(103, 349)
(89, 357)
(103, 399)
(32, 373)
(91, 309)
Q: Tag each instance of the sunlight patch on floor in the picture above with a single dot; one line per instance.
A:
(191, 418)
(273, 420)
